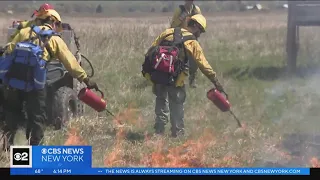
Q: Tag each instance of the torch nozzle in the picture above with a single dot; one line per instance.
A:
(235, 117)
(109, 112)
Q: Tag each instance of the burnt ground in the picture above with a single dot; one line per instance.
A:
(301, 147)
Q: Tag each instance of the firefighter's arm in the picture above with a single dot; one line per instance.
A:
(13, 35)
(22, 25)
(17, 38)
(175, 21)
(195, 51)
(62, 52)
(25, 24)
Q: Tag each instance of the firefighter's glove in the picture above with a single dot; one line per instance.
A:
(91, 84)
(219, 86)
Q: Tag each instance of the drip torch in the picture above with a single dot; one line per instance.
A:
(93, 100)
(221, 102)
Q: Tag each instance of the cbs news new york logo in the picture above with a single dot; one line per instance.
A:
(21, 156)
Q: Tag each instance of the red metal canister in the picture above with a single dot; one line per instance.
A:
(91, 99)
(219, 99)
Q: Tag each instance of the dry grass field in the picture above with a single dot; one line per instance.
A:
(280, 113)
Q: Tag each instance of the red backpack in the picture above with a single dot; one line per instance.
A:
(165, 59)
(163, 63)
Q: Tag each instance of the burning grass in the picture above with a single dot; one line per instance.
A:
(157, 152)
(315, 162)
(74, 138)
(191, 153)
(208, 150)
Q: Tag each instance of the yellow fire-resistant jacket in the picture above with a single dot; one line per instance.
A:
(181, 20)
(22, 25)
(194, 51)
(58, 48)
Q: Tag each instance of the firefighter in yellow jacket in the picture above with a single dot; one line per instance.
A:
(180, 19)
(170, 99)
(35, 99)
(23, 24)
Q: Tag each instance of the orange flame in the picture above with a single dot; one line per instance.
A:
(74, 139)
(192, 153)
(315, 162)
(113, 158)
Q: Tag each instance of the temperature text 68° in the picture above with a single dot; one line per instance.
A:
(38, 171)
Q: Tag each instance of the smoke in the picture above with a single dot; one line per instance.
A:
(301, 99)
(294, 105)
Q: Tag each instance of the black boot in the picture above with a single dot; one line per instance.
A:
(179, 133)
(159, 128)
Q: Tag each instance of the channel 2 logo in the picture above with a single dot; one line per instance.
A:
(21, 156)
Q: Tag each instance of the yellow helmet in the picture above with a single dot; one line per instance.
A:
(201, 20)
(50, 13)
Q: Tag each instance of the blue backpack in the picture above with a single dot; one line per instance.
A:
(24, 68)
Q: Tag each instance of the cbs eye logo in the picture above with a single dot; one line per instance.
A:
(20, 156)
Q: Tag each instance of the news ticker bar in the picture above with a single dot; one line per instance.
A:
(77, 160)
(160, 171)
